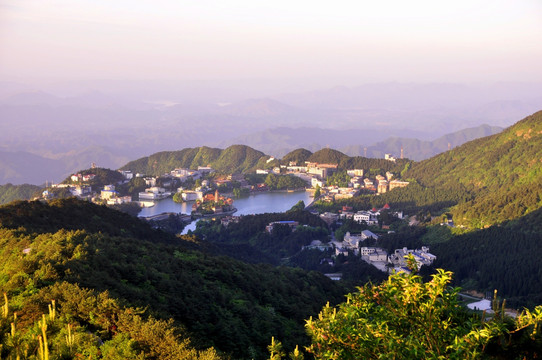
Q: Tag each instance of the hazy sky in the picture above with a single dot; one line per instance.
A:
(385, 40)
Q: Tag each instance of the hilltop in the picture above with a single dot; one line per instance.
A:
(234, 159)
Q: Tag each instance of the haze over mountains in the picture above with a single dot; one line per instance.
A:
(70, 126)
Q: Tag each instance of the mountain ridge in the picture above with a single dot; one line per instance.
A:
(502, 171)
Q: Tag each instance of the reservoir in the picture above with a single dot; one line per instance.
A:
(268, 202)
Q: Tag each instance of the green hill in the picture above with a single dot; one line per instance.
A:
(101, 177)
(502, 172)
(59, 249)
(234, 159)
(10, 192)
(327, 156)
(298, 155)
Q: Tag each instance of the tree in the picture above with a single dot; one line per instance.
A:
(404, 318)
(178, 197)
(300, 206)
(317, 191)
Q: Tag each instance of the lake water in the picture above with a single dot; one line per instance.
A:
(253, 204)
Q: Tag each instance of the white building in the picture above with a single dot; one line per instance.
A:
(188, 195)
(355, 172)
(371, 218)
(154, 193)
(205, 169)
(128, 175)
(119, 200)
(421, 256)
(315, 182)
(150, 181)
(80, 190)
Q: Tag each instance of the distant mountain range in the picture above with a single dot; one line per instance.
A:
(110, 128)
(280, 141)
(23, 167)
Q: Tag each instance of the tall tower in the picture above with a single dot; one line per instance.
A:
(449, 146)
(401, 151)
(364, 152)
(216, 196)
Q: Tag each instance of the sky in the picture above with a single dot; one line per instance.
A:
(370, 41)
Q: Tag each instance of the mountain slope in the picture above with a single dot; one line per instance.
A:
(503, 172)
(327, 156)
(234, 159)
(220, 302)
(298, 156)
(19, 167)
(10, 192)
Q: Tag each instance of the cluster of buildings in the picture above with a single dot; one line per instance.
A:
(184, 174)
(82, 177)
(317, 173)
(213, 204)
(421, 256)
(81, 188)
(356, 244)
(370, 217)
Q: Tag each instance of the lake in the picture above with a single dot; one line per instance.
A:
(268, 202)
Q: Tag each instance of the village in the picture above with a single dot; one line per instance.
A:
(194, 184)
(211, 194)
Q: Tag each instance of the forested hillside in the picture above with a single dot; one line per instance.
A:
(502, 172)
(47, 248)
(10, 192)
(234, 159)
(504, 257)
(298, 156)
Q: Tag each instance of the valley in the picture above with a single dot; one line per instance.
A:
(365, 216)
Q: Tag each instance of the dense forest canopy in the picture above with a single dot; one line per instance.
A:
(234, 159)
(10, 192)
(218, 302)
(502, 172)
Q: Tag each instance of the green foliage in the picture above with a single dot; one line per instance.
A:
(327, 156)
(298, 156)
(133, 187)
(102, 177)
(504, 257)
(165, 161)
(234, 159)
(73, 214)
(317, 191)
(405, 318)
(502, 173)
(412, 199)
(340, 179)
(250, 232)
(284, 182)
(88, 324)
(178, 197)
(220, 302)
(300, 206)
(10, 192)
